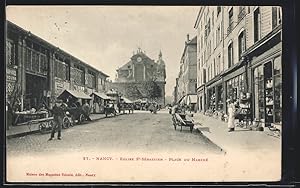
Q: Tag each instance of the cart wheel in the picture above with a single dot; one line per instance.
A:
(43, 128)
(50, 124)
(66, 123)
(81, 118)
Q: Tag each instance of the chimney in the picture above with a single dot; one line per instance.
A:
(187, 37)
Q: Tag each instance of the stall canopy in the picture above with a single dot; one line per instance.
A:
(191, 99)
(76, 94)
(101, 95)
(126, 100)
(182, 100)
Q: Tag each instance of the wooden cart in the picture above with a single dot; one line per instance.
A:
(182, 120)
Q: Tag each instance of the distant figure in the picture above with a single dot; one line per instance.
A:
(86, 111)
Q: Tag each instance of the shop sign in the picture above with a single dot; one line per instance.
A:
(11, 74)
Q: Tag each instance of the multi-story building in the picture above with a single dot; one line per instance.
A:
(187, 77)
(238, 54)
(38, 71)
(142, 77)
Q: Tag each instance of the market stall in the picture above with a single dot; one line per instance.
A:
(99, 102)
(78, 104)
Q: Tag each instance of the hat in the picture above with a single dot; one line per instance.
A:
(228, 100)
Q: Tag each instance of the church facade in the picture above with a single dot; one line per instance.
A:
(142, 78)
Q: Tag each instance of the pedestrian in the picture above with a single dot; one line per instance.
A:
(86, 110)
(231, 115)
(58, 112)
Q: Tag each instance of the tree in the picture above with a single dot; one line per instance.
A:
(152, 90)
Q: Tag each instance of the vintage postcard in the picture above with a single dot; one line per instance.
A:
(143, 93)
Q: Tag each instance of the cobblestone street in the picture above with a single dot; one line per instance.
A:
(135, 132)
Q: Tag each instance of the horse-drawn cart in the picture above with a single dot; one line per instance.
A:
(182, 120)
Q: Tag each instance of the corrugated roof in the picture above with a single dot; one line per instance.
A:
(101, 95)
(76, 94)
(126, 100)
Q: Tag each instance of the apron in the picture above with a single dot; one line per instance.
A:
(231, 114)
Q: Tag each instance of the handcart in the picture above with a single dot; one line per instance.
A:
(182, 120)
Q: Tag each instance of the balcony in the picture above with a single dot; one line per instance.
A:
(242, 14)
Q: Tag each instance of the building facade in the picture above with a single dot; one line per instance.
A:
(38, 71)
(186, 82)
(142, 77)
(238, 54)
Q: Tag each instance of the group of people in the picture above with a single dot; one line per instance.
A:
(58, 111)
(233, 111)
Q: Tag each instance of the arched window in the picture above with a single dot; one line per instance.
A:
(242, 42)
(230, 54)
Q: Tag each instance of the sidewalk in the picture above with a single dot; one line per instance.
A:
(240, 139)
(249, 155)
(22, 130)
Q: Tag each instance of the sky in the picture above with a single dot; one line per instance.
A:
(106, 36)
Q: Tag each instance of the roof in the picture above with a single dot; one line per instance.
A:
(125, 67)
(76, 94)
(101, 95)
(49, 45)
(126, 100)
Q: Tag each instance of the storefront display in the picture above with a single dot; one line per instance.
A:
(220, 97)
(268, 92)
(212, 99)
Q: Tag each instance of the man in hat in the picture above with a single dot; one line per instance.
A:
(58, 112)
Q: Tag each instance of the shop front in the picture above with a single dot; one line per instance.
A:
(267, 89)
(215, 95)
(266, 77)
(100, 100)
(201, 99)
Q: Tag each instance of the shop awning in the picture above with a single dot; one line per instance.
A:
(191, 99)
(126, 100)
(76, 94)
(101, 95)
(182, 100)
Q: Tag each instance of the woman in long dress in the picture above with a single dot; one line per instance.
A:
(231, 115)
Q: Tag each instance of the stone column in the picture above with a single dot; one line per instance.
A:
(71, 74)
(96, 82)
(85, 78)
(51, 76)
(21, 68)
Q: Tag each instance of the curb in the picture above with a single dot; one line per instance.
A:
(208, 139)
(37, 131)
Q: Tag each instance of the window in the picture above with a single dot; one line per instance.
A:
(218, 35)
(212, 19)
(62, 70)
(256, 25)
(242, 13)
(276, 16)
(242, 41)
(230, 18)
(209, 73)
(10, 53)
(204, 76)
(230, 55)
(218, 10)
(214, 68)
(277, 90)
